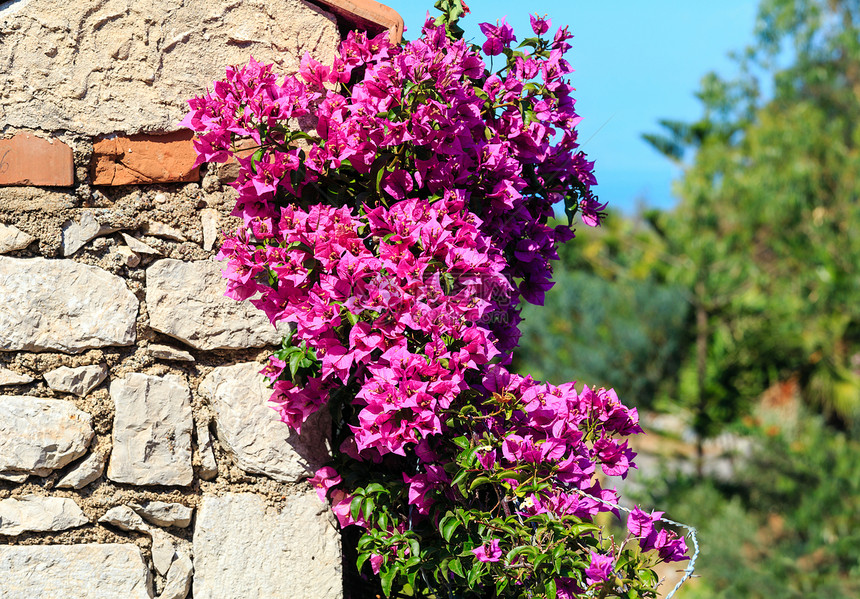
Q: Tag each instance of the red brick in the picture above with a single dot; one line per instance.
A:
(29, 160)
(370, 15)
(143, 158)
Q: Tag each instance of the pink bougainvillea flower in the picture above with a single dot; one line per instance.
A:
(599, 569)
(540, 25)
(488, 553)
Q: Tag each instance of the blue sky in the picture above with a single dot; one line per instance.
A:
(636, 62)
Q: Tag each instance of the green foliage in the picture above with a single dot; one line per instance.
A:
(787, 527)
(765, 219)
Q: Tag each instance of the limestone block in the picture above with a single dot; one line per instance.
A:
(157, 229)
(208, 465)
(186, 301)
(79, 381)
(138, 246)
(33, 513)
(76, 234)
(178, 578)
(39, 435)
(161, 513)
(124, 518)
(165, 352)
(14, 477)
(89, 571)
(253, 431)
(95, 308)
(97, 66)
(242, 548)
(209, 220)
(151, 431)
(10, 377)
(84, 472)
(12, 238)
(127, 256)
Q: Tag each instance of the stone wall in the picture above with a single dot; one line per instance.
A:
(137, 455)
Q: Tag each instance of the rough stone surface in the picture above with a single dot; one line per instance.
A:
(254, 433)
(80, 380)
(127, 256)
(124, 518)
(208, 465)
(159, 52)
(209, 220)
(14, 477)
(138, 246)
(178, 578)
(29, 160)
(243, 549)
(151, 430)
(39, 435)
(161, 513)
(165, 352)
(163, 550)
(33, 513)
(84, 472)
(10, 377)
(95, 308)
(142, 159)
(186, 301)
(164, 546)
(76, 234)
(157, 229)
(12, 238)
(86, 571)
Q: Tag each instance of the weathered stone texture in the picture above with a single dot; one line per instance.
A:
(94, 309)
(151, 431)
(162, 513)
(178, 581)
(33, 513)
(165, 352)
(79, 381)
(254, 433)
(242, 548)
(84, 472)
(90, 571)
(10, 377)
(40, 435)
(12, 238)
(159, 52)
(186, 301)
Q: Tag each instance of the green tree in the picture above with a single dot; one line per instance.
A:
(767, 205)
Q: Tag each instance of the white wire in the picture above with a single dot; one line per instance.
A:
(691, 565)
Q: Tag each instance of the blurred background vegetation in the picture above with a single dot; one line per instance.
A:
(733, 320)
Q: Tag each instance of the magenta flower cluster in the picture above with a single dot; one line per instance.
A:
(395, 208)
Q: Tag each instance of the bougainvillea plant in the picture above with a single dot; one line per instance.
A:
(395, 207)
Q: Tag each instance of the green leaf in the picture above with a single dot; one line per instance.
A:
(386, 577)
(456, 567)
(475, 573)
(355, 506)
(550, 589)
(448, 525)
(367, 509)
(295, 358)
(501, 585)
(362, 557)
(481, 480)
